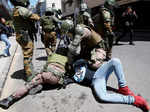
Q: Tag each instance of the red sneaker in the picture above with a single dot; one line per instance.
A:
(141, 103)
(125, 91)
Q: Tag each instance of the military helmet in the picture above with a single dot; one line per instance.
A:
(49, 11)
(86, 14)
(110, 2)
(67, 25)
(24, 3)
(83, 7)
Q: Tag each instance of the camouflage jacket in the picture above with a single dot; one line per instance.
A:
(22, 18)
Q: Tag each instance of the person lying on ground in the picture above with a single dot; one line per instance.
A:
(54, 73)
(98, 81)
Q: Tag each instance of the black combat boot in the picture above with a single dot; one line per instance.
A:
(7, 102)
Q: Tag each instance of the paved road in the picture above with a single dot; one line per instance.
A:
(75, 98)
(5, 62)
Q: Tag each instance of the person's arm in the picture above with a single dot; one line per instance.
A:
(4, 28)
(74, 47)
(134, 13)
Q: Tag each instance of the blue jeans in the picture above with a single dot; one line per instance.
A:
(100, 78)
(5, 39)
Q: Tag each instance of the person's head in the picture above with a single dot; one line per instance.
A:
(129, 9)
(2, 20)
(23, 3)
(53, 5)
(49, 11)
(110, 4)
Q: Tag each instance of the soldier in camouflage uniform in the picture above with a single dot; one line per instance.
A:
(84, 17)
(49, 23)
(86, 44)
(22, 20)
(53, 73)
(105, 26)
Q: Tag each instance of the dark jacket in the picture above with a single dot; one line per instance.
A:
(3, 29)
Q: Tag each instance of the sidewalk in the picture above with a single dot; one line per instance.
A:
(5, 62)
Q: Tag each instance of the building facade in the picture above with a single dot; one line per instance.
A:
(142, 8)
(56, 2)
(42, 5)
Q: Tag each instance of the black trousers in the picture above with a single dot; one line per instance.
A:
(126, 30)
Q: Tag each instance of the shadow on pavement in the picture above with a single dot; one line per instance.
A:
(44, 58)
(138, 36)
(42, 48)
(19, 75)
(119, 44)
(47, 87)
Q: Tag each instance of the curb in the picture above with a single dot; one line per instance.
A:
(6, 69)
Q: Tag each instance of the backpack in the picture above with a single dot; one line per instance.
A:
(48, 23)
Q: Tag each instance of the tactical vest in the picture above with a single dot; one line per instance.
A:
(94, 39)
(47, 23)
(20, 18)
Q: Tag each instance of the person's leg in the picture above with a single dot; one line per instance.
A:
(109, 52)
(116, 66)
(118, 69)
(99, 85)
(47, 43)
(5, 39)
(18, 94)
(107, 68)
(27, 47)
(28, 54)
(121, 36)
(103, 74)
(131, 36)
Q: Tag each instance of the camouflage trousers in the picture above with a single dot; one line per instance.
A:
(52, 74)
(109, 44)
(27, 48)
(50, 41)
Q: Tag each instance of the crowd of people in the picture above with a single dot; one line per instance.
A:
(87, 58)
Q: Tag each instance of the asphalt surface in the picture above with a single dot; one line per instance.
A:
(76, 98)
